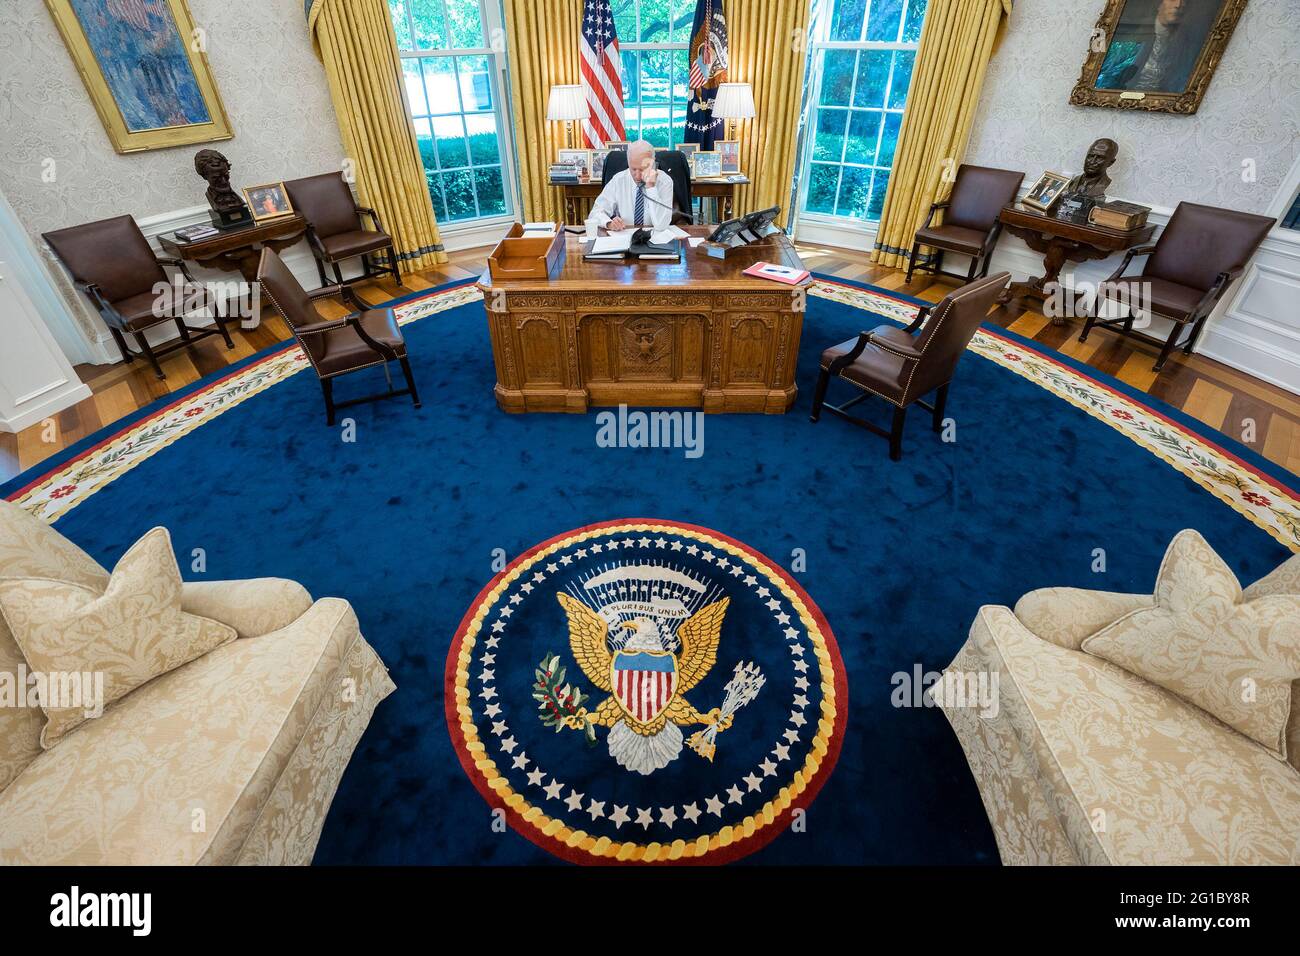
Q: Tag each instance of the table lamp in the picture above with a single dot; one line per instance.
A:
(735, 101)
(567, 103)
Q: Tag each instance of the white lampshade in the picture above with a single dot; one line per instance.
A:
(567, 103)
(734, 101)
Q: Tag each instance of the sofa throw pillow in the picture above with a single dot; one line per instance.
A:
(93, 648)
(1235, 659)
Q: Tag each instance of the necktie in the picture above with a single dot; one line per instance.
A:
(640, 204)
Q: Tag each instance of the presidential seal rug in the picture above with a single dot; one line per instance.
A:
(637, 724)
(711, 651)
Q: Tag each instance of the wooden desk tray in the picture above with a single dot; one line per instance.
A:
(518, 258)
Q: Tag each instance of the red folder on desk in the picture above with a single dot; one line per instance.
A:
(768, 270)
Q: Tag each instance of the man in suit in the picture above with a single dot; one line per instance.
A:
(640, 195)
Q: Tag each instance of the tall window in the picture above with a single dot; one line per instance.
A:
(454, 91)
(653, 36)
(863, 53)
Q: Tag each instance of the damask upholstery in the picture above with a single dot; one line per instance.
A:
(1084, 762)
(231, 758)
(126, 634)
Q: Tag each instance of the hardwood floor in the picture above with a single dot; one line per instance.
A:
(1255, 413)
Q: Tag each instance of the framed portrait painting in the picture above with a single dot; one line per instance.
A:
(1156, 55)
(143, 65)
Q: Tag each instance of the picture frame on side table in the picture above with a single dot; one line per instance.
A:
(149, 82)
(1045, 193)
(687, 149)
(268, 202)
(730, 151)
(706, 164)
(576, 157)
(614, 144)
(598, 163)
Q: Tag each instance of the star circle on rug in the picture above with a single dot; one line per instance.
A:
(646, 691)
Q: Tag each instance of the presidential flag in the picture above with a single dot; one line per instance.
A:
(602, 76)
(708, 52)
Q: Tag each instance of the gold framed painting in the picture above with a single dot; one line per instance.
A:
(1156, 55)
(174, 102)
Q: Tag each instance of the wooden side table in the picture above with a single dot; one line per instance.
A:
(240, 250)
(1061, 241)
(577, 199)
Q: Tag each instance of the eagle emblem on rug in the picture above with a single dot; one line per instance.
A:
(645, 634)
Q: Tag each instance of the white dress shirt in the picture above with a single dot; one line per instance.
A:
(618, 200)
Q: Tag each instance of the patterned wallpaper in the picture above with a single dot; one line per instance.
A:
(270, 80)
(1250, 111)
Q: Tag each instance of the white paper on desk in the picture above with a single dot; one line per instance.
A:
(697, 241)
(617, 242)
(667, 234)
(539, 227)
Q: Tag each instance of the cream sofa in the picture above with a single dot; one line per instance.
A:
(232, 758)
(1083, 762)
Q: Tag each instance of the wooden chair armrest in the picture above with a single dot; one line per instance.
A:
(851, 356)
(921, 316)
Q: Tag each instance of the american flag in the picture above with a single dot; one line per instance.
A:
(602, 76)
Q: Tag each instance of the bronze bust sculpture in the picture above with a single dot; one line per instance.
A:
(227, 207)
(1092, 182)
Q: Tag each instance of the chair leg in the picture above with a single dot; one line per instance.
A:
(974, 268)
(127, 357)
(1089, 322)
(338, 274)
(182, 329)
(1195, 336)
(1168, 349)
(940, 403)
(320, 267)
(327, 387)
(911, 260)
(896, 434)
(984, 270)
(225, 333)
(819, 396)
(143, 344)
(410, 380)
(397, 271)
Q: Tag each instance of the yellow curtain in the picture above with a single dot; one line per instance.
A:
(543, 40)
(768, 50)
(356, 43)
(957, 42)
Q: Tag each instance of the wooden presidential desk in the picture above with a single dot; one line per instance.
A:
(693, 334)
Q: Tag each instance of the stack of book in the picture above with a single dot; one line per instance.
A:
(564, 174)
(1123, 216)
(195, 233)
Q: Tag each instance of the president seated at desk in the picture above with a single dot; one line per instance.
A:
(640, 195)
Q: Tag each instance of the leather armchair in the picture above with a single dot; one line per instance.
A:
(902, 365)
(336, 347)
(970, 224)
(335, 231)
(113, 265)
(1200, 253)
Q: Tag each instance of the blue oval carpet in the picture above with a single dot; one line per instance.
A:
(645, 701)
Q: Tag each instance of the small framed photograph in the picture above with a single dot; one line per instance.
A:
(617, 144)
(598, 162)
(1043, 194)
(577, 157)
(686, 149)
(706, 164)
(268, 202)
(730, 150)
